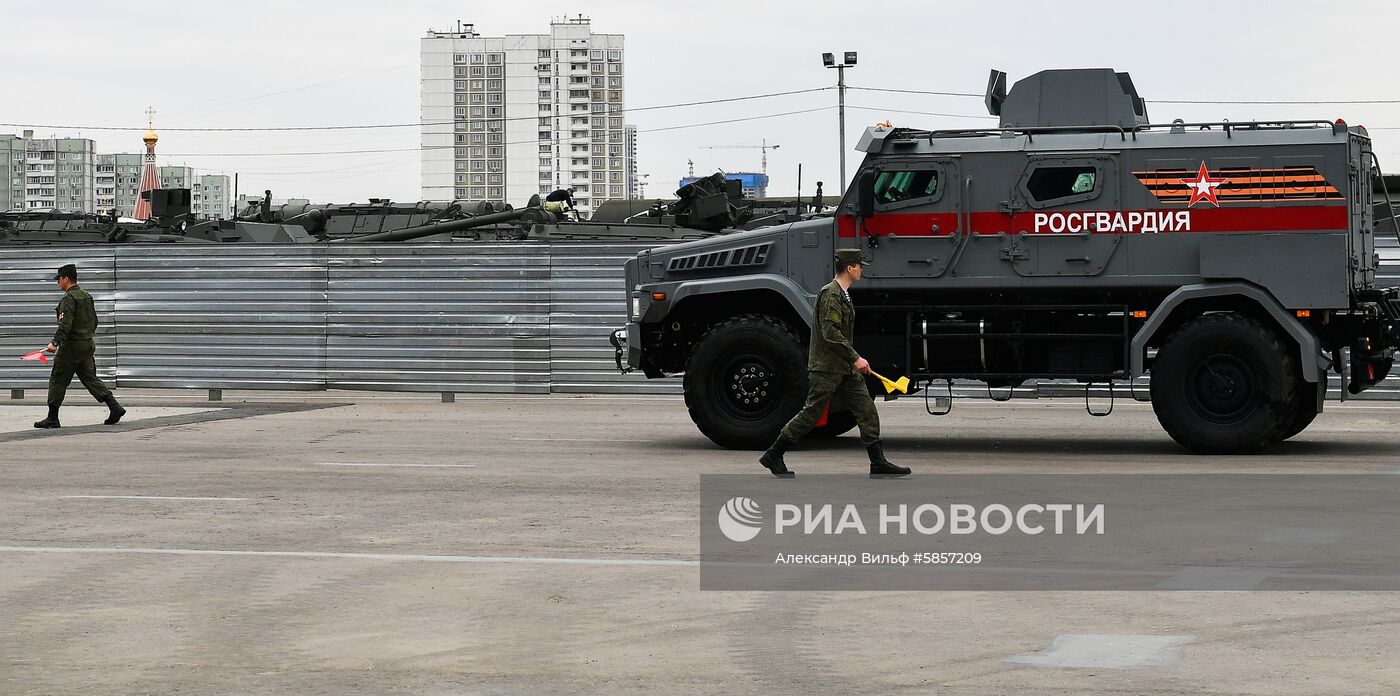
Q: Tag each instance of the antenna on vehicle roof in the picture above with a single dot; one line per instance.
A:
(996, 92)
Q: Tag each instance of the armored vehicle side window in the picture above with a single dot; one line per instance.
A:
(905, 185)
(1049, 183)
(893, 187)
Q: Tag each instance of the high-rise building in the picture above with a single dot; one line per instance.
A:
(505, 118)
(629, 135)
(12, 151)
(213, 196)
(59, 174)
(118, 177)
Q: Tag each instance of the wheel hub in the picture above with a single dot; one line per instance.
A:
(748, 385)
(1222, 389)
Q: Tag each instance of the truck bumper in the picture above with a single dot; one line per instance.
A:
(627, 347)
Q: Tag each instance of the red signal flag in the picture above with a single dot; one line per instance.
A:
(36, 355)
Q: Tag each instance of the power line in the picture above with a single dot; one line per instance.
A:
(915, 91)
(457, 145)
(1239, 102)
(417, 124)
(1312, 102)
(920, 113)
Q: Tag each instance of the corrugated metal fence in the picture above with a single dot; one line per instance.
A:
(522, 317)
(512, 317)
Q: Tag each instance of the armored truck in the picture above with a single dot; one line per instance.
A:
(1232, 263)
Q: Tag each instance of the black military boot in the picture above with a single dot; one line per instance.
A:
(881, 467)
(116, 410)
(773, 458)
(51, 421)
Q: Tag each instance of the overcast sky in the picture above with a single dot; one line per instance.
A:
(259, 64)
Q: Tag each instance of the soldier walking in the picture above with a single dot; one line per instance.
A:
(77, 319)
(834, 367)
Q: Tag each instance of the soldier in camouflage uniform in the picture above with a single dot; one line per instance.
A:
(834, 368)
(77, 319)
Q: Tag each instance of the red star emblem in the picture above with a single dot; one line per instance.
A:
(1203, 187)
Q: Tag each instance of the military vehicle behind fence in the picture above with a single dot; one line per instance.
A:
(710, 206)
(1234, 262)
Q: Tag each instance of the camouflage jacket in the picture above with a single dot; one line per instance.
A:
(831, 349)
(77, 317)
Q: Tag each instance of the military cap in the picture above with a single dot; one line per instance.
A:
(848, 256)
(67, 270)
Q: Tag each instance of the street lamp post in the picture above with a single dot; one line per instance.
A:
(848, 60)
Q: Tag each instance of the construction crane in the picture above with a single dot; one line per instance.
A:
(765, 147)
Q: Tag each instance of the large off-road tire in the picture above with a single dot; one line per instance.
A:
(1305, 406)
(746, 378)
(1225, 384)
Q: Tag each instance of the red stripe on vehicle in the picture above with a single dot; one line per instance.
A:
(1251, 219)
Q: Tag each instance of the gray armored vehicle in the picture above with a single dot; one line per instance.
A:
(1233, 262)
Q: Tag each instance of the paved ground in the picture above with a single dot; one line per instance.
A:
(546, 545)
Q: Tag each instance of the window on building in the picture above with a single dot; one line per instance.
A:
(495, 138)
(545, 121)
(598, 162)
(544, 176)
(460, 71)
(478, 71)
(615, 164)
(478, 152)
(478, 85)
(459, 85)
(478, 179)
(615, 82)
(478, 58)
(596, 68)
(478, 98)
(493, 71)
(595, 81)
(599, 190)
(614, 55)
(615, 177)
(544, 81)
(478, 138)
(478, 125)
(546, 109)
(598, 108)
(494, 98)
(459, 99)
(544, 94)
(460, 111)
(478, 166)
(493, 85)
(495, 58)
(496, 178)
(478, 111)
(459, 58)
(579, 121)
(544, 135)
(542, 53)
(614, 68)
(478, 193)
(546, 149)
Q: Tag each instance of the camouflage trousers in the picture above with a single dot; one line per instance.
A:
(75, 358)
(850, 386)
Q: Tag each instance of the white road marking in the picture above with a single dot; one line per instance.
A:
(434, 466)
(152, 497)
(428, 558)
(574, 439)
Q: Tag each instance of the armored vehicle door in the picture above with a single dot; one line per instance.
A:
(916, 225)
(1064, 207)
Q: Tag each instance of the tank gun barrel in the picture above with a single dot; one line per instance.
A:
(442, 227)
